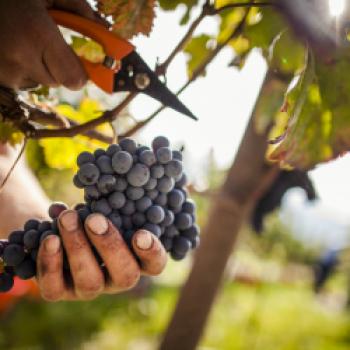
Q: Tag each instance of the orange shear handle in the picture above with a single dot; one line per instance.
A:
(113, 46)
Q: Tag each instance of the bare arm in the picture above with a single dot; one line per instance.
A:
(22, 197)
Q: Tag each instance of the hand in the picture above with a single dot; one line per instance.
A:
(87, 279)
(33, 50)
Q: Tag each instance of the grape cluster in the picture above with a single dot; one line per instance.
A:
(136, 187)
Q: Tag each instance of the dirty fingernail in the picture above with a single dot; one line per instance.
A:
(97, 223)
(144, 240)
(69, 220)
(52, 244)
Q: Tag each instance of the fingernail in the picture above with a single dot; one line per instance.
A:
(52, 244)
(144, 240)
(97, 224)
(69, 220)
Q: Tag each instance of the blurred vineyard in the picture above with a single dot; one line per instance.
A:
(267, 300)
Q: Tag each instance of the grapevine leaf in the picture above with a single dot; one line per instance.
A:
(129, 17)
(197, 50)
(317, 107)
(54, 156)
(88, 49)
(170, 5)
(9, 133)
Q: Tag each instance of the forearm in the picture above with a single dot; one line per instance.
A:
(22, 197)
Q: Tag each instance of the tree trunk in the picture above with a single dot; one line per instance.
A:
(247, 179)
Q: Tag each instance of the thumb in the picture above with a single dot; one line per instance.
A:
(150, 251)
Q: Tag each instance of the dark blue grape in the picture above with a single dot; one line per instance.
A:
(112, 149)
(127, 222)
(44, 226)
(31, 224)
(195, 242)
(128, 145)
(116, 220)
(13, 254)
(77, 183)
(56, 209)
(148, 158)
(135, 193)
(161, 199)
(143, 204)
(117, 200)
(181, 245)
(155, 229)
(191, 233)
(140, 149)
(91, 192)
(83, 214)
(174, 169)
(138, 175)
(106, 184)
(3, 244)
(177, 155)
(45, 234)
(155, 214)
(157, 171)
(16, 237)
(189, 207)
(165, 184)
(99, 152)
(160, 141)
(138, 219)
(102, 206)
(31, 239)
(152, 194)
(168, 218)
(177, 257)
(128, 208)
(171, 231)
(26, 269)
(175, 199)
(85, 157)
(122, 162)
(151, 184)
(104, 163)
(6, 282)
(183, 221)
(164, 155)
(54, 227)
(34, 254)
(88, 174)
(182, 182)
(121, 184)
(167, 243)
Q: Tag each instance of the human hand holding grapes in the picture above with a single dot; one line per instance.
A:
(86, 279)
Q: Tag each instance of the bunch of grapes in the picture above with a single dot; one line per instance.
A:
(135, 187)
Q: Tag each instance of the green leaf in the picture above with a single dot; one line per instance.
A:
(197, 50)
(9, 133)
(88, 49)
(318, 111)
(170, 5)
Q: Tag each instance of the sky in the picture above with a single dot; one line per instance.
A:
(223, 101)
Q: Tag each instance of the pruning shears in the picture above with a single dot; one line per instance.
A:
(122, 69)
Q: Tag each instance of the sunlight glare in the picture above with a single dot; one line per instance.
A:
(336, 7)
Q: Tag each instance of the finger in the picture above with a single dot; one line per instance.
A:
(87, 276)
(150, 251)
(121, 265)
(62, 63)
(50, 269)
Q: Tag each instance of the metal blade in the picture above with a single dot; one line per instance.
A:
(136, 76)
